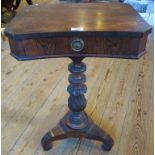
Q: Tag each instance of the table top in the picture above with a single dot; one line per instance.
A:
(56, 19)
(78, 30)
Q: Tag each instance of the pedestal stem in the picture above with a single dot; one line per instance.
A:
(76, 123)
(77, 118)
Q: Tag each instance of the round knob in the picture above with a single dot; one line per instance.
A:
(77, 44)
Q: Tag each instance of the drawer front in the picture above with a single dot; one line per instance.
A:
(76, 46)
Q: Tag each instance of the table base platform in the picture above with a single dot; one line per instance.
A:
(90, 131)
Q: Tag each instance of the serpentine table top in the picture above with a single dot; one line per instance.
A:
(73, 30)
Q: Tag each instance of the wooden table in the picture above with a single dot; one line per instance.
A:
(77, 31)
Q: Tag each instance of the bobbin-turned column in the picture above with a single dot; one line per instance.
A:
(76, 118)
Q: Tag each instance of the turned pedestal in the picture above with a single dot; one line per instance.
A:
(76, 123)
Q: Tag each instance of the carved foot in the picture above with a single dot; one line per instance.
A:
(96, 133)
(108, 143)
(56, 133)
(46, 141)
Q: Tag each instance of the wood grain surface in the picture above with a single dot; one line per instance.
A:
(58, 19)
(94, 46)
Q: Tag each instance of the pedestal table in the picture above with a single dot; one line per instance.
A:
(77, 31)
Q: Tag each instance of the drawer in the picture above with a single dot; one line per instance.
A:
(84, 46)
